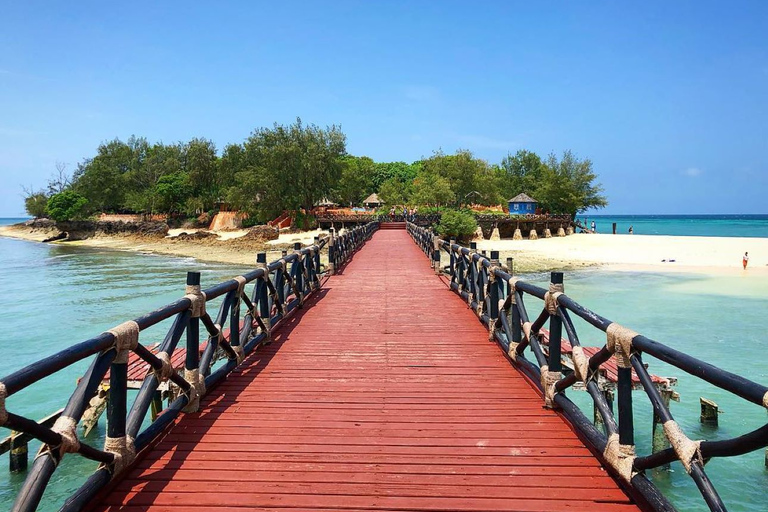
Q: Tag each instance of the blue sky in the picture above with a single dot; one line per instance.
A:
(668, 99)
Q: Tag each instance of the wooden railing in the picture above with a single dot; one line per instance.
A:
(253, 305)
(498, 299)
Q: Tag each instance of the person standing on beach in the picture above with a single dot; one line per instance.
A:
(745, 260)
(631, 230)
(594, 230)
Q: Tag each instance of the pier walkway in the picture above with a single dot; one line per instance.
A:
(383, 393)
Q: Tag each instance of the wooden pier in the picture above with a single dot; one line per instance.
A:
(378, 410)
(381, 381)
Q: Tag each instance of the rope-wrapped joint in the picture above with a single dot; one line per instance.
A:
(66, 427)
(550, 297)
(686, 449)
(239, 353)
(196, 389)
(619, 343)
(479, 310)
(126, 339)
(512, 351)
(581, 364)
(197, 300)
(124, 451)
(527, 331)
(3, 410)
(548, 381)
(166, 370)
(765, 398)
(621, 457)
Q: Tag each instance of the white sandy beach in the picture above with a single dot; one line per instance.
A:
(640, 252)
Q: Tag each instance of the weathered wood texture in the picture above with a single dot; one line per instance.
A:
(383, 394)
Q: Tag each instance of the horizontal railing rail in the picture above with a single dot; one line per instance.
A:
(498, 300)
(277, 289)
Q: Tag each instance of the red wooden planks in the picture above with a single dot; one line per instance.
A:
(384, 394)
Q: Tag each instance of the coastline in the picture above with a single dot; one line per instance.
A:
(228, 248)
(630, 253)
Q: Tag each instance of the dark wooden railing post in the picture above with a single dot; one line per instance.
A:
(493, 309)
(436, 254)
(192, 360)
(331, 251)
(624, 398)
(262, 295)
(297, 272)
(555, 331)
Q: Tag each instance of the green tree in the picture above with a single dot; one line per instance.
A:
(172, 192)
(431, 189)
(289, 167)
(458, 224)
(200, 163)
(471, 179)
(568, 185)
(67, 205)
(394, 192)
(520, 173)
(356, 180)
(384, 171)
(102, 179)
(35, 203)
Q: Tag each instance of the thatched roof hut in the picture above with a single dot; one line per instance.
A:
(372, 201)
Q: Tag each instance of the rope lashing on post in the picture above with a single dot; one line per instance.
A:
(550, 298)
(196, 390)
(166, 371)
(527, 330)
(621, 457)
(581, 364)
(123, 449)
(238, 297)
(239, 353)
(619, 343)
(512, 350)
(197, 297)
(548, 381)
(66, 427)
(3, 410)
(765, 399)
(685, 448)
(126, 338)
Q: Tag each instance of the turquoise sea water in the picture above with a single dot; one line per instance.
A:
(56, 295)
(683, 225)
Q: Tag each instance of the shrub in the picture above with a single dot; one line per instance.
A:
(67, 205)
(35, 204)
(457, 224)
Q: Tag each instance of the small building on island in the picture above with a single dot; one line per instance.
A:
(522, 204)
(372, 201)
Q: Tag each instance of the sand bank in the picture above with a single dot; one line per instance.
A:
(635, 252)
(705, 255)
(229, 246)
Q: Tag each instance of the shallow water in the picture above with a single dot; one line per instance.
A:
(717, 319)
(54, 296)
(683, 225)
(57, 295)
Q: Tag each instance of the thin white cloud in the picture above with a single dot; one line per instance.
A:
(693, 172)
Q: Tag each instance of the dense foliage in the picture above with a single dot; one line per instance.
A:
(457, 224)
(294, 167)
(67, 205)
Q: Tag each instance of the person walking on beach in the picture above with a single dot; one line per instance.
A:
(745, 260)
(631, 230)
(594, 230)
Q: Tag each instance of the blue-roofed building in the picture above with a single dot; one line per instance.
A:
(522, 204)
